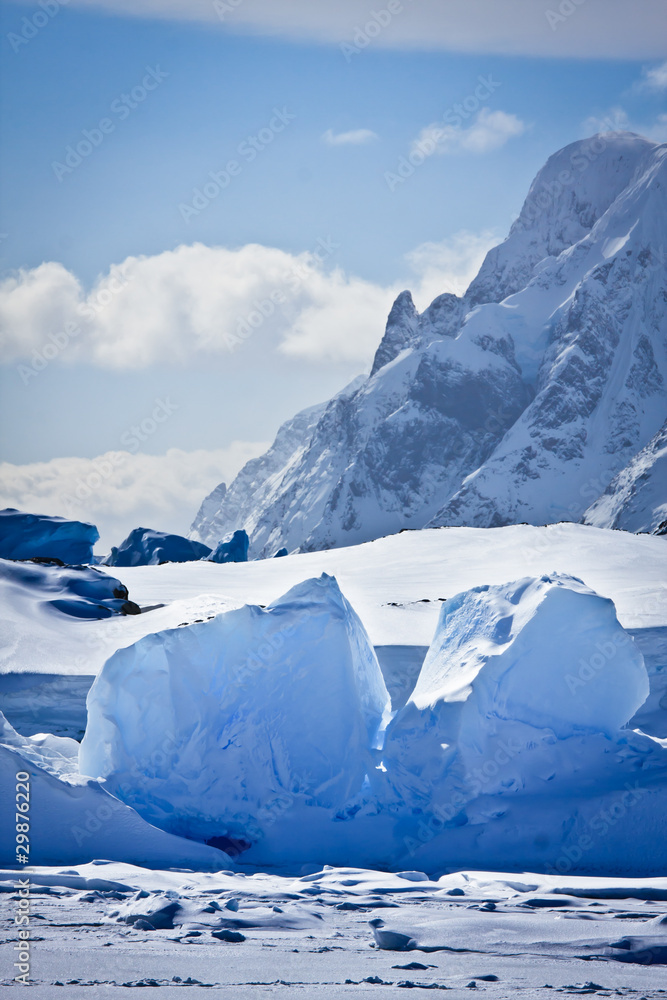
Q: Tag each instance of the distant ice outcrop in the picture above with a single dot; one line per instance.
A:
(518, 402)
(217, 730)
(234, 549)
(30, 536)
(636, 498)
(145, 547)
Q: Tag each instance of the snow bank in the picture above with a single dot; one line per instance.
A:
(217, 730)
(145, 547)
(76, 591)
(30, 536)
(233, 549)
(73, 818)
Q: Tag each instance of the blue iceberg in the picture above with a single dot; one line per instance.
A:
(234, 549)
(145, 547)
(76, 591)
(38, 536)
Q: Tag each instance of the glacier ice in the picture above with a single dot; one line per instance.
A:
(38, 536)
(512, 745)
(73, 818)
(268, 730)
(145, 547)
(215, 730)
(525, 664)
(548, 652)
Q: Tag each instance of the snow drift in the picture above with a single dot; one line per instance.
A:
(37, 536)
(214, 730)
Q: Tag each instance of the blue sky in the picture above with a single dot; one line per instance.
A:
(214, 86)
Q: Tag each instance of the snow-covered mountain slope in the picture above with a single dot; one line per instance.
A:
(601, 385)
(518, 402)
(226, 510)
(636, 499)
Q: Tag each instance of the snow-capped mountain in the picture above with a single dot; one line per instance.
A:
(520, 401)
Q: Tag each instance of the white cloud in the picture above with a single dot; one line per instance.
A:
(356, 137)
(344, 320)
(205, 301)
(658, 130)
(596, 28)
(655, 78)
(119, 491)
(490, 130)
(448, 266)
(618, 120)
(172, 306)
